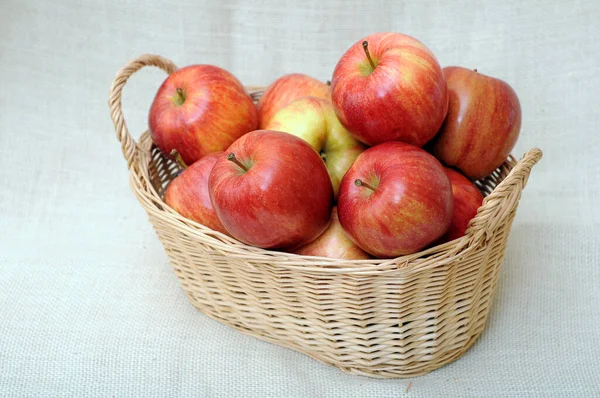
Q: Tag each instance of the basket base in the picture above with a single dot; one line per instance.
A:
(377, 372)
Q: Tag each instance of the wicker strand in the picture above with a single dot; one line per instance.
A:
(128, 144)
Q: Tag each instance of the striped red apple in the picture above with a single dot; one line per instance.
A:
(272, 190)
(483, 122)
(390, 87)
(188, 193)
(396, 199)
(200, 109)
(333, 243)
(467, 200)
(285, 90)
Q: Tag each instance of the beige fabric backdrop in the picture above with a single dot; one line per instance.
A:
(88, 303)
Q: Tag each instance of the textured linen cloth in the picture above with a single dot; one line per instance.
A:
(89, 305)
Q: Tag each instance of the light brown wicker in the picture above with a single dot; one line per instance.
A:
(381, 318)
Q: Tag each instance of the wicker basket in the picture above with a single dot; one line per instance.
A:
(401, 317)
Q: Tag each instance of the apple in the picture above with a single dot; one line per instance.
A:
(200, 109)
(333, 243)
(272, 190)
(467, 200)
(286, 89)
(188, 195)
(313, 119)
(483, 122)
(390, 87)
(395, 199)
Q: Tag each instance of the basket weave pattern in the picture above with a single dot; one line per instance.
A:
(400, 317)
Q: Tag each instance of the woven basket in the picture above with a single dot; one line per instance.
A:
(401, 317)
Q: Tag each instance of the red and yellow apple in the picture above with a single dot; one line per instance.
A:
(333, 243)
(396, 199)
(467, 200)
(390, 87)
(272, 190)
(483, 123)
(188, 193)
(200, 109)
(313, 119)
(286, 89)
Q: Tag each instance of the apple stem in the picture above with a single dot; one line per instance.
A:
(231, 157)
(360, 183)
(181, 96)
(328, 82)
(365, 45)
(475, 70)
(175, 154)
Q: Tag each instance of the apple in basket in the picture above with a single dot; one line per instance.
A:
(483, 122)
(272, 190)
(395, 200)
(188, 193)
(286, 89)
(333, 243)
(313, 119)
(200, 109)
(467, 200)
(390, 87)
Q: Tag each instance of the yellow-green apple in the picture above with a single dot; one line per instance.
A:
(483, 122)
(333, 243)
(395, 200)
(188, 193)
(390, 87)
(286, 89)
(200, 109)
(271, 190)
(313, 119)
(467, 200)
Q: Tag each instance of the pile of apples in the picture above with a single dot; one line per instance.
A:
(337, 170)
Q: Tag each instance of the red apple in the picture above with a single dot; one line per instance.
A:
(467, 200)
(333, 243)
(395, 200)
(313, 119)
(483, 123)
(272, 190)
(200, 109)
(188, 193)
(286, 89)
(390, 87)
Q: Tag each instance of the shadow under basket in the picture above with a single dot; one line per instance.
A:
(399, 317)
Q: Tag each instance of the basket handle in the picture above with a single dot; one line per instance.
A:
(128, 144)
(491, 212)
